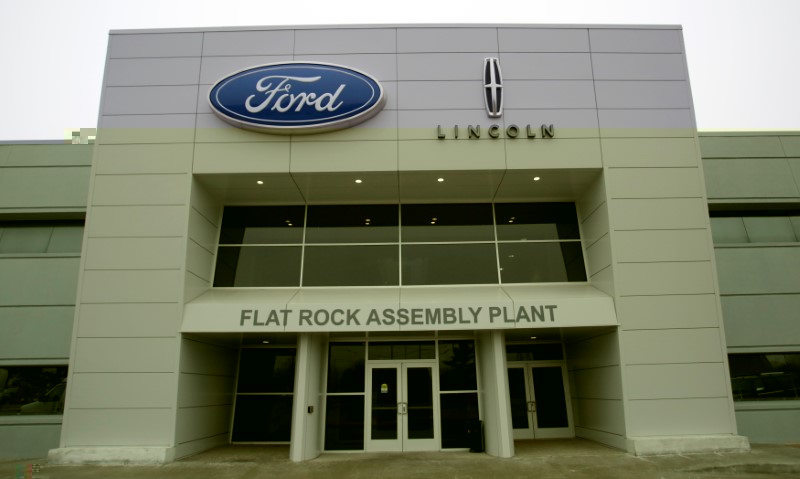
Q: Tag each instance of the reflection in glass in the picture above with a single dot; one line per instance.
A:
(402, 350)
(257, 266)
(384, 403)
(344, 423)
(449, 264)
(447, 222)
(346, 367)
(519, 398)
(352, 224)
(541, 262)
(350, 266)
(262, 225)
(266, 370)
(457, 365)
(551, 404)
(765, 376)
(420, 402)
(32, 389)
(262, 418)
(457, 410)
(536, 221)
(534, 352)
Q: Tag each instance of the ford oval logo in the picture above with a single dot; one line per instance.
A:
(297, 97)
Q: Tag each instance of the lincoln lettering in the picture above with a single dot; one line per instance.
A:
(277, 90)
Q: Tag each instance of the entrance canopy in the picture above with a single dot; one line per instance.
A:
(398, 309)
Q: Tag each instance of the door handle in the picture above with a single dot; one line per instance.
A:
(402, 408)
(531, 406)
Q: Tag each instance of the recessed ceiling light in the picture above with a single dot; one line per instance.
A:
(533, 337)
(260, 182)
(265, 341)
(440, 180)
(536, 178)
(358, 180)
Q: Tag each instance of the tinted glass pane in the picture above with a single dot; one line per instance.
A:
(534, 352)
(519, 399)
(402, 350)
(350, 266)
(262, 418)
(344, 423)
(346, 367)
(551, 405)
(257, 266)
(430, 223)
(728, 230)
(66, 239)
(420, 403)
(25, 239)
(449, 264)
(457, 365)
(769, 229)
(32, 389)
(536, 221)
(384, 404)
(262, 224)
(459, 411)
(759, 377)
(352, 224)
(541, 262)
(266, 370)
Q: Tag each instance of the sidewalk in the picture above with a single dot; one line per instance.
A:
(574, 458)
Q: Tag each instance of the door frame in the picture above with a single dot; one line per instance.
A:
(402, 443)
(533, 431)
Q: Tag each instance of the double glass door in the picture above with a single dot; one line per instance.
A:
(539, 400)
(403, 410)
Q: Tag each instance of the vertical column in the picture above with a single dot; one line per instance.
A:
(306, 409)
(498, 431)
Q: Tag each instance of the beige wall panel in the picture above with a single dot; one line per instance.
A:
(634, 279)
(115, 390)
(129, 320)
(451, 155)
(132, 159)
(201, 422)
(672, 417)
(204, 358)
(600, 415)
(649, 152)
(595, 226)
(36, 332)
(150, 286)
(130, 129)
(202, 231)
(662, 245)
(199, 260)
(196, 390)
(596, 383)
(592, 198)
(675, 381)
(672, 346)
(134, 253)
(194, 286)
(205, 203)
(211, 129)
(604, 281)
(553, 153)
(125, 355)
(381, 127)
(261, 157)
(140, 189)
(770, 426)
(598, 255)
(654, 183)
(746, 320)
(741, 146)
(27, 155)
(670, 213)
(758, 270)
(344, 156)
(137, 221)
(119, 427)
(38, 281)
(674, 311)
(594, 352)
(52, 187)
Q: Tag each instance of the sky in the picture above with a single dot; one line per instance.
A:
(743, 55)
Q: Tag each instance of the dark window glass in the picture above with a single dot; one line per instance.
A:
(765, 376)
(402, 350)
(266, 370)
(459, 412)
(264, 418)
(384, 403)
(262, 225)
(534, 352)
(420, 402)
(449, 264)
(344, 423)
(518, 397)
(536, 221)
(243, 266)
(352, 224)
(32, 389)
(41, 237)
(457, 365)
(350, 266)
(551, 404)
(346, 367)
(436, 223)
(541, 262)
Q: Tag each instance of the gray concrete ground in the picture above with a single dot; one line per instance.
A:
(572, 458)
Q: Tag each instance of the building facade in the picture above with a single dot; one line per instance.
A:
(511, 236)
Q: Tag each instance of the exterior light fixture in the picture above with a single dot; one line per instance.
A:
(536, 178)
(358, 181)
(260, 182)
(440, 180)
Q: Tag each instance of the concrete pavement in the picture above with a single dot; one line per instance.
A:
(572, 458)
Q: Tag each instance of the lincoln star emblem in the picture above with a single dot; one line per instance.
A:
(492, 87)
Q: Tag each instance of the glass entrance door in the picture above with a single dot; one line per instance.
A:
(403, 409)
(539, 401)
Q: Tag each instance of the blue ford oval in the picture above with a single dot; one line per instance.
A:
(297, 97)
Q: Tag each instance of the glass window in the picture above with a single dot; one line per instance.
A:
(352, 224)
(25, 239)
(266, 370)
(346, 367)
(541, 262)
(262, 225)
(457, 365)
(534, 352)
(769, 229)
(765, 376)
(459, 413)
(456, 222)
(350, 266)
(402, 350)
(262, 418)
(32, 389)
(449, 264)
(728, 230)
(536, 221)
(243, 266)
(344, 423)
(66, 239)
